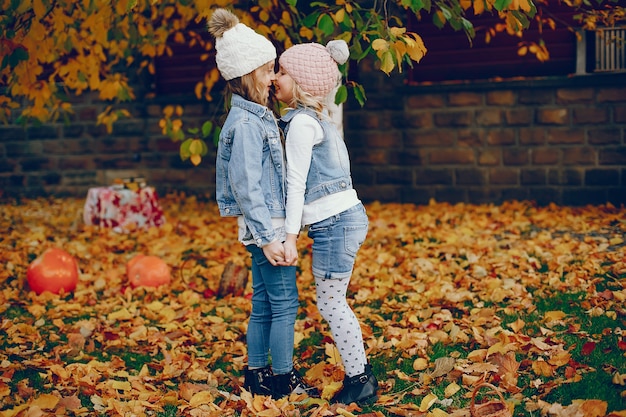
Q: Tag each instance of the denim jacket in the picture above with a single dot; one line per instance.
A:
(250, 169)
(329, 172)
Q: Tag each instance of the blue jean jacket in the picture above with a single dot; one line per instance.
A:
(250, 168)
(329, 172)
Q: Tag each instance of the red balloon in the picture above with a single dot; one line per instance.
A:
(147, 271)
(54, 270)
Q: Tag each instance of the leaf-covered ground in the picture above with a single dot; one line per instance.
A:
(529, 299)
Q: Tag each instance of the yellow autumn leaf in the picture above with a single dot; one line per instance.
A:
(380, 45)
(551, 316)
(593, 408)
(451, 389)
(332, 353)
(542, 368)
(397, 31)
(200, 398)
(120, 385)
(345, 413)
(437, 412)
(427, 402)
(420, 364)
(195, 159)
(331, 389)
(386, 59)
(121, 314)
(46, 401)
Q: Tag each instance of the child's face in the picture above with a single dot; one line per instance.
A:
(264, 77)
(283, 86)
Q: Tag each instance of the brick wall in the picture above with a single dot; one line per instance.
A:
(560, 141)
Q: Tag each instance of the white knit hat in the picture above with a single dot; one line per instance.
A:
(314, 67)
(239, 49)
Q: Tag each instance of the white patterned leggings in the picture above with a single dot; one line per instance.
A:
(344, 326)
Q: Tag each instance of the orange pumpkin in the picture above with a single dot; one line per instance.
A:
(147, 271)
(54, 270)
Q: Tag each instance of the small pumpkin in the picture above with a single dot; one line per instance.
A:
(54, 270)
(147, 271)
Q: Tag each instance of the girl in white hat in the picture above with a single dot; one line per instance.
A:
(250, 185)
(320, 195)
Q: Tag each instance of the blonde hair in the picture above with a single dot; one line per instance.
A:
(248, 87)
(303, 99)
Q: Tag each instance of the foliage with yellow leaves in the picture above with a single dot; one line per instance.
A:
(52, 49)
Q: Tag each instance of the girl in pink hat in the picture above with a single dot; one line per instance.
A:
(250, 185)
(320, 195)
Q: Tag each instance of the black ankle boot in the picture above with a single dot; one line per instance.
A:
(258, 381)
(291, 382)
(360, 389)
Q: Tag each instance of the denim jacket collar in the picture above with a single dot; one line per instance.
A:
(252, 107)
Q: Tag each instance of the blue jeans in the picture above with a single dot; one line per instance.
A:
(336, 241)
(274, 310)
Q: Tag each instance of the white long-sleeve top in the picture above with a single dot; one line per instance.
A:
(304, 133)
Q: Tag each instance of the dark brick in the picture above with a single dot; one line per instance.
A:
(501, 137)
(11, 133)
(381, 139)
(464, 98)
(434, 177)
(469, 138)
(574, 95)
(545, 156)
(490, 157)
(410, 157)
(613, 94)
(532, 136)
(570, 177)
(602, 177)
(7, 165)
(515, 156)
(392, 176)
(443, 138)
(553, 116)
(420, 196)
(38, 164)
(533, 177)
(489, 117)
(620, 114)
(583, 196)
(426, 101)
(536, 97)
(484, 195)
(612, 156)
(566, 136)
(604, 136)
(544, 195)
(519, 117)
(501, 98)
(503, 176)
(472, 176)
(590, 116)
(451, 195)
(43, 132)
(579, 156)
(383, 194)
(24, 148)
(415, 119)
(453, 118)
(452, 156)
(369, 157)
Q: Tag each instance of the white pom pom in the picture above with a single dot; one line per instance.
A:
(338, 50)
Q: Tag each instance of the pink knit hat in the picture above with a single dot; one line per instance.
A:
(314, 67)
